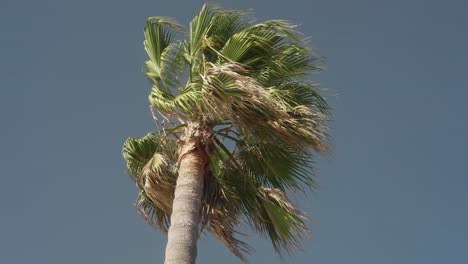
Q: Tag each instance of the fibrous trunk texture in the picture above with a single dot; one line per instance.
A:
(185, 218)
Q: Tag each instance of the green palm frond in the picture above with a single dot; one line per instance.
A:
(287, 62)
(299, 94)
(173, 65)
(277, 165)
(256, 44)
(267, 210)
(276, 217)
(167, 59)
(186, 102)
(199, 27)
(221, 216)
(137, 152)
(225, 24)
(161, 99)
(159, 33)
(235, 182)
(151, 163)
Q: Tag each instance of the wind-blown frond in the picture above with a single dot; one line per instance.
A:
(158, 180)
(276, 217)
(153, 215)
(299, 94)
(257, 44)
(186, 102)
(151, 162)
(221, 215)
(225, 24)
(267, 210)
(200, 26)
(278, 165)
(245, 101)
(159, 32)
(172, 65)
(166, 57)
(137, 152)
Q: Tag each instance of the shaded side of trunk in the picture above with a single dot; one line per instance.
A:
(185, 218)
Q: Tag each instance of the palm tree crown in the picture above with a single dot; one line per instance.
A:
(243, 87)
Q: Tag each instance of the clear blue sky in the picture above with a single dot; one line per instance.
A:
(72, 90)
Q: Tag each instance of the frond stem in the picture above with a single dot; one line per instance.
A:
(231, 157)
(155, 118)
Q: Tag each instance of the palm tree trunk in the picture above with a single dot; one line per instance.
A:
(185, 218)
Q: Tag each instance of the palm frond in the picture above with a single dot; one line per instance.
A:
(245, 101)
(162, 99)
(225, 24)
(154, 216)
(287, 62)
(158, 181)
(277, 165)
(166, 58)
(173, 65)
(137, 152)
(159, 33)
(151, 162)
(186, 102)
(238, 184)
(221, 216)
(300, 94)
(276, 217)
(256, 44)
(200, 26)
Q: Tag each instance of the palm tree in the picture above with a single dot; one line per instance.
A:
(238, 122)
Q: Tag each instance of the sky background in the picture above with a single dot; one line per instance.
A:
(73, 89)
